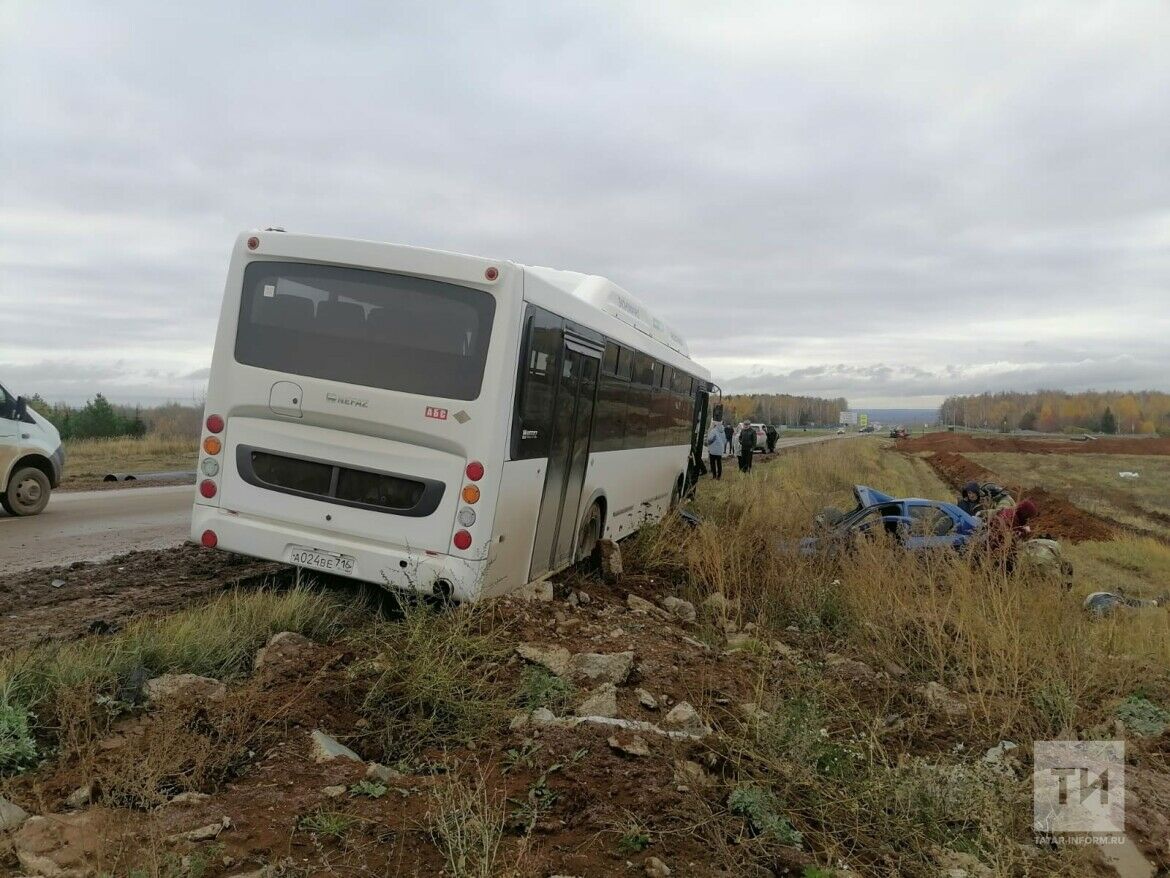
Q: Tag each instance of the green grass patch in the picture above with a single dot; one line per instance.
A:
(41, 686)
(431, 679)
(540, 687)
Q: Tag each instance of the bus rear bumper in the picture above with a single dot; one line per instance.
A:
(387, 566)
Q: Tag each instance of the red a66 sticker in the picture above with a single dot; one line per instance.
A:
(437, 413)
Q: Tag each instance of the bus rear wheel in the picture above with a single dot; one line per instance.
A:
(28, 492)
(590, 533)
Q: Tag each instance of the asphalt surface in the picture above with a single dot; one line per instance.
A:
(94, 525)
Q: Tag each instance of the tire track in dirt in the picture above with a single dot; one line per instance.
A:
(101, 597)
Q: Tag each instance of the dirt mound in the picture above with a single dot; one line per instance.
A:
(64, 603)
(1058, 517)
(939, 442)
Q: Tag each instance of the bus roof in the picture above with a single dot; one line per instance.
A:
(607, 296)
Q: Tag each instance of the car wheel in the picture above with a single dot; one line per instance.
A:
(28, 492)
(590, 533)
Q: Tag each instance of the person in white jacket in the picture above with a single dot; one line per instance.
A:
(716, 448)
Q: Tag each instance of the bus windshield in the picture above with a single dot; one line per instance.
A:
(370, 328)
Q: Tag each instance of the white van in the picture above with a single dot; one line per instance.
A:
(31, 457)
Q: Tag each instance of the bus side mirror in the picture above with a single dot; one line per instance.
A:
(717, 412)
(21, 409)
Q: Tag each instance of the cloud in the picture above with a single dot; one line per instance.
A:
(840, 195)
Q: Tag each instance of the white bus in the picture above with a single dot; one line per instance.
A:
(436, 422)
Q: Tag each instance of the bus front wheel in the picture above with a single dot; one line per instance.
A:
(590, 533)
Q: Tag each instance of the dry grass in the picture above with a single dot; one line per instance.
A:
(90, 459)
(468, 822)
(1020, 653)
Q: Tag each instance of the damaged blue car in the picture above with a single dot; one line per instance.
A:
(916, 523)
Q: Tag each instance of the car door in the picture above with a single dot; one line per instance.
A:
(931, 527)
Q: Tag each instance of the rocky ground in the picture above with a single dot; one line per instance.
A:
(632, 771)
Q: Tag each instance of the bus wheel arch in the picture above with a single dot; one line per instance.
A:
(592, 528)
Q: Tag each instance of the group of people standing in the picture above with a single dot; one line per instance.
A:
(725, 440)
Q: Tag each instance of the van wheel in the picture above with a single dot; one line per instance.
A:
(28, 492)
(590, 533)
(675, 496)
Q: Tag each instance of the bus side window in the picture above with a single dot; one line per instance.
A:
(661, 406)
(609, 426)
(638, 409)
(538, 391)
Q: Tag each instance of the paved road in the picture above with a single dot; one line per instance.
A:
(92, 525)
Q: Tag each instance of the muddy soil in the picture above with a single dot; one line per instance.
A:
(64, 603)
(1058, 518)
(1020, 445)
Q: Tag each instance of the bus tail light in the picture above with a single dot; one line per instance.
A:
(466, 516)
(462, 540)
(212, 445)
(209, 539)
(475, 471)
(207, 488)
(470, 494)
(214, 424)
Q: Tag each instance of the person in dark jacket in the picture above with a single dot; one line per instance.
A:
(747, 447)
(972, 501)
(773, 435)
(729, 432)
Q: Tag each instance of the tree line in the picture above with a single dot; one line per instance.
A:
(1057, 411)
(782, 408)
(98, 418)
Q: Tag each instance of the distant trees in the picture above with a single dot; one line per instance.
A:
(1055, 411)
(101, 419)
(782, 408)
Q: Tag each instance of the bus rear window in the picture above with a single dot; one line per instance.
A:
(365, 327)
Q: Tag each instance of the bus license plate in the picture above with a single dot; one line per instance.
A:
(327, 561)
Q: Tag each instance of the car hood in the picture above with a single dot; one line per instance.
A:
(46, 426)
(867, 496)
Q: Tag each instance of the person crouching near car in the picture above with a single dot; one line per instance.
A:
(747, 447)
(716, 448)
(1007, 529)
(971, 500)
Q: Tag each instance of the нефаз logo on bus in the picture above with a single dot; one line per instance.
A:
(347, 400)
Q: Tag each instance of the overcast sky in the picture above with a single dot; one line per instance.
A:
(883, 201)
